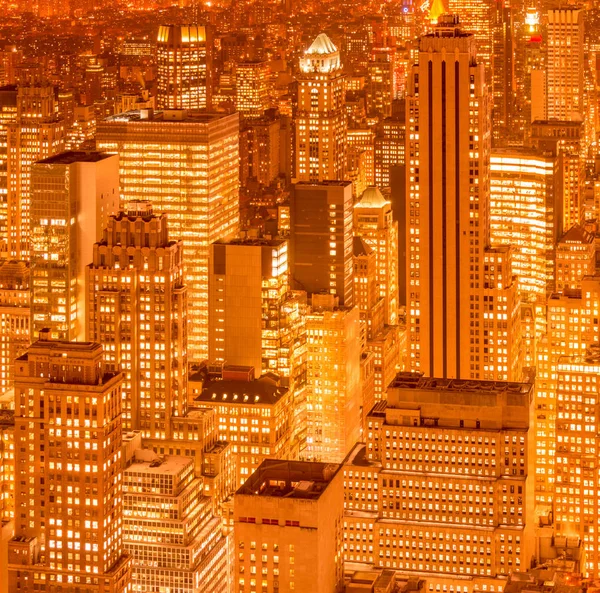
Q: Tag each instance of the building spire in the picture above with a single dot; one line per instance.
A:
(438, 8)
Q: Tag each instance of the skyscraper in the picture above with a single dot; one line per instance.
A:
(321, 238)
(576, 501)
(565, 64)
(14, 318)
(69, 528)
(320, 118)
(184, 67)
(447, 211)
(136, 308)
(36, 133)
(202, 203)
(251, 88)
(333, 394)
(525, 211)
(374, 222)
(72, 196)
(248, 284)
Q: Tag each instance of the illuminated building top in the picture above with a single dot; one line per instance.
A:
(371, 198)
(322, 56)
(437, 9)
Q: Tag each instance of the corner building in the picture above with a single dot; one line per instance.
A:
(442, 484)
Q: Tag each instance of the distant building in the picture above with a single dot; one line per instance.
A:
(184, 67)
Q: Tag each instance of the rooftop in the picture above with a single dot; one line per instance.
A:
(170, 465)
(322, 45)
(75, 156)
(371, 198)
(261, 391)
(408, 380)
(289, 479)
(175, 116)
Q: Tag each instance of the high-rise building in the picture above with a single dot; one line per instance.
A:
(36, 133)
(248, 284)
(576, 501)
(321, 238)
(333, 394)
(136, 308)
(69, 527)
(374, 222)
(154, 149)
(564, 337)
(565, 64)
(390, 144)
(482, 511)
(320, 118)
(180, 545)
(447, 215)
(288, 528)
(72, 196)
(566, 141)
(381, 72)
(575, 258)
(255, 416)
(184, 67)
(14, 318)
(525, 211)
(251, 88)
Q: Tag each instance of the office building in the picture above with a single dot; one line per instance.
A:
(374, 223)
(525, 211)
(248, 284)
(333, 390)
(72, 196)
(202, 206)
(575, 258)
(565, 64)
(36, 133)
(251, 88)
(184, 67)
(564, 337)
(136, 308)
(288, 528)
(320, 117)
(254, 414)
(390, 145)
(445, 465)
(565, 140)
(69, 526)
(576, 497)
(449, 263)
(169, 529)
(321, 238)
(14, 318)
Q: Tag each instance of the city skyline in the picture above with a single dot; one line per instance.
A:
(299, 297)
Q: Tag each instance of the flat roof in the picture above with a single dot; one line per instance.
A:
(175, 116)
(75, 156)
(277, 478)
(170, 465)
(415, 380)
